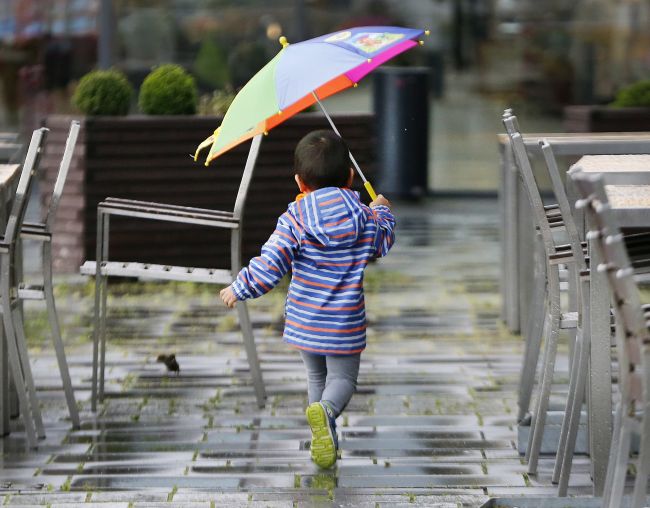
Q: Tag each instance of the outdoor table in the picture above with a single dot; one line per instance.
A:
(9, 174)
(517, 228)
(627, 179)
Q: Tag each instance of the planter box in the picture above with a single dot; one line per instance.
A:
(146, 158)
(606, 119)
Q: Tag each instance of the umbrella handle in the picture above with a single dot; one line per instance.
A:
(371, 191)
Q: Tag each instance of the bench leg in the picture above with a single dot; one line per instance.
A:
(251, 353)
(14, 357)
(102, 337)
(100, 305)
(16, 316)
(56, 336)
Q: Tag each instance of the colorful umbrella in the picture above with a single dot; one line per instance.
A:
(302, 74)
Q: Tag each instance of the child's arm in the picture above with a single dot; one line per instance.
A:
(385, 221)
(265, 271)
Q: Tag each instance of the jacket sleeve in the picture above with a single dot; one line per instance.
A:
(265, 271)
(385, 236)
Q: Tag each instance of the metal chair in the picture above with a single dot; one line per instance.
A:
(633, 341)
(11, 310)
(547, 317)
(580, 358)
(102, 268)
(42, 232)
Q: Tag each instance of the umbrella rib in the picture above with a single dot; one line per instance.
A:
(329, 119)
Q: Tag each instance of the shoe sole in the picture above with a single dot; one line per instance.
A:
(323, 451)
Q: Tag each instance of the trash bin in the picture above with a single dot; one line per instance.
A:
(401, 104)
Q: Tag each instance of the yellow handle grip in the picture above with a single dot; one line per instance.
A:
(370, 190)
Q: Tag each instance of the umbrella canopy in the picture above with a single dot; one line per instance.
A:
(302, 73)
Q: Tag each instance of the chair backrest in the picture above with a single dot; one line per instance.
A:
(563, 202)
(604, 233)
(62, 175)
(246, 178)
(530, 184)
(30, 166)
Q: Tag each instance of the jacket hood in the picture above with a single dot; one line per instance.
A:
(331, 216)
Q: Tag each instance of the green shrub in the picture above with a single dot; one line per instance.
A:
(103, 93)
(636, 95)
(216, 103)
(168, 90)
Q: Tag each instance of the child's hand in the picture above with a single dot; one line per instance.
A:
(381, 200)
(228, 297)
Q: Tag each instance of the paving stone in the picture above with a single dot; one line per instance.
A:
(428, 481)
(47, 498)
(90, 505)
(143, 496)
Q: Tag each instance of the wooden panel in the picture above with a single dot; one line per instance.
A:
(148, 158)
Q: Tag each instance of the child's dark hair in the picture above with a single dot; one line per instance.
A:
(322, 160)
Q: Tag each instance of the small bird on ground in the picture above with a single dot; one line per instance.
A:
(170, 362)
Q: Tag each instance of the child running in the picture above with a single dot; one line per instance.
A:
(326, 237)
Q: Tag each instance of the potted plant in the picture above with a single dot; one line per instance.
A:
(630, 111)
(147, 157)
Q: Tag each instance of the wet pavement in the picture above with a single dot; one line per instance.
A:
(432, 424)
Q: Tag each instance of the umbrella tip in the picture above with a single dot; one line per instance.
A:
(283, 40)
(427, 32)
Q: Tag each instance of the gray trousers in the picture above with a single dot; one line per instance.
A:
(331, 379)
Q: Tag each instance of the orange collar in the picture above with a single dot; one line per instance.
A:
(304, 194)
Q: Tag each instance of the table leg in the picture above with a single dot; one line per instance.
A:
(524, 262)
(600, 375)
(503, 234)
(5, 408)
(4, 387)
(510, 240)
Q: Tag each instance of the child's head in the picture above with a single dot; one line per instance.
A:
(322, 160)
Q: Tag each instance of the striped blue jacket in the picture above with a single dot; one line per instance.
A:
(327, 238)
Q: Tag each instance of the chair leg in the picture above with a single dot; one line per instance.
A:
(539, 418)
(643, 464)
(27, 370)
(620, 467)
(572, 397)
(56, 337)
(535, 332)
(539, 376)
(251, 353)
(611, 459)
(566, 454)
(579, 393)
(14, 360)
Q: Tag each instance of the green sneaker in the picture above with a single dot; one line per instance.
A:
(323, 448)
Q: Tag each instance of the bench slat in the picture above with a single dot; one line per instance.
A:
(159, 272)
